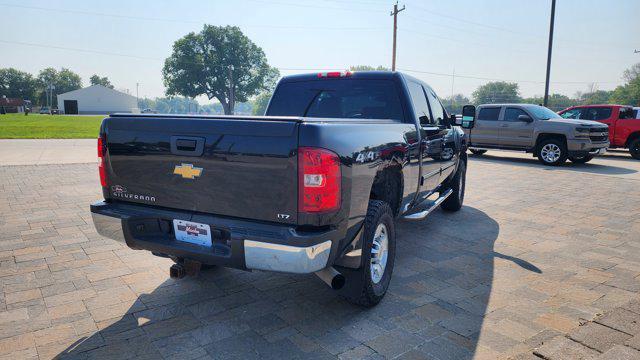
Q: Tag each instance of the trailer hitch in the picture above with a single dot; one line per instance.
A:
(184, 268)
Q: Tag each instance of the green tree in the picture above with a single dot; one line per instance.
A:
(629, 93)
(594, 97)
(176, 105)
(631, 73)
(497, 92)
(260, 103)
(455, 106)
(97, 80)
(61, 82)
(556, 102)
(368, 68)
(17, 84)
(218, 62)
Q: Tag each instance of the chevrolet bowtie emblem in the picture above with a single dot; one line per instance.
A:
(187, 171)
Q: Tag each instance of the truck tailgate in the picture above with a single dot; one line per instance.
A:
(226, 166)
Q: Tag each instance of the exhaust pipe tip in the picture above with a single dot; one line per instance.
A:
(332, 277)
(338, 282)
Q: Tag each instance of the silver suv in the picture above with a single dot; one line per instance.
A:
(538, 130)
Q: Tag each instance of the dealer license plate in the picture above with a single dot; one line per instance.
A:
(192, 232)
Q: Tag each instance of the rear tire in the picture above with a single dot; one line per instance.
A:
(634, 149)
(477, 152)
(454, 201)
(581, 159)
(552, 152)
(378, 226)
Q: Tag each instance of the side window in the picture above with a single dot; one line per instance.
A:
(572, 114)
(436, 108)
(511, 114)
(489, 113)
(636, 114)
(420, 105)
(626, 113)
(597, 113)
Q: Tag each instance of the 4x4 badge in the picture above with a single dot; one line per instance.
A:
(187, 171)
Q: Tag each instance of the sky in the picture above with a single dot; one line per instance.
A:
(454, 45)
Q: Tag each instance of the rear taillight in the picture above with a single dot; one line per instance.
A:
(101, 169)
(318, 180)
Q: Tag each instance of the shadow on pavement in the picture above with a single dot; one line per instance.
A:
(434, 308)
(620, 156)
(587, 168)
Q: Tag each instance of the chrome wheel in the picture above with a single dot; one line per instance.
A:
(379, 253)
(550, 153)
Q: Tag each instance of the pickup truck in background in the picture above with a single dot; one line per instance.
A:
(622, 121)
(312, 187)
(537, 130)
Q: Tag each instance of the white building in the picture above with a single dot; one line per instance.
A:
(96, 99)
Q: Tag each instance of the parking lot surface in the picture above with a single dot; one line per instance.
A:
(534, 253)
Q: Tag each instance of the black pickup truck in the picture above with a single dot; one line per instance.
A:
(312, 187)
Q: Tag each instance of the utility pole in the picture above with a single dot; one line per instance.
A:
(453, 79)
(231, 91)
(546, 84)
(137, 99)
(394, 13)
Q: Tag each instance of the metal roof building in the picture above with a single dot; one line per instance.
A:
(96, 99)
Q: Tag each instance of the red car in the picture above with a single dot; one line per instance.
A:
(624, 128)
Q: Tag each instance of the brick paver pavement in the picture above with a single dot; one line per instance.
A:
(534, 253)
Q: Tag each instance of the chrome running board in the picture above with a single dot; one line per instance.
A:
(420, 215)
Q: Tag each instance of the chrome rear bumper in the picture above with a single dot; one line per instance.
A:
(247, 254)
(284, 258)
(108, 226)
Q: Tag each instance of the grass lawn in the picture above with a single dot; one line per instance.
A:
(36, 126)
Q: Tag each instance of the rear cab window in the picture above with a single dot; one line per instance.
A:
(338, 98)
(597, 113)
(489, 113)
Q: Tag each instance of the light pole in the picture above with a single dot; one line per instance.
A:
(546, 84)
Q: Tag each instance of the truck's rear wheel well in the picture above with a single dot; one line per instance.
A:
(631, 137)
(546, 136)
(387, 186)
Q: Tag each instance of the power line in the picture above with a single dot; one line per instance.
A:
(99, 52)
(129, 17)
(313, 6)
(510, 48)
(502, 29)
(498, 79)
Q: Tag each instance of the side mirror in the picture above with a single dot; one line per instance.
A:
(468, 116)
(525, 118)
(450, 121)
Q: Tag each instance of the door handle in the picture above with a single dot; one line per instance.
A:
(187, 145)
(504, 125)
